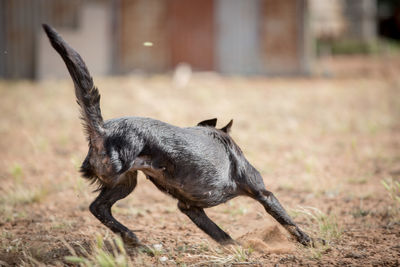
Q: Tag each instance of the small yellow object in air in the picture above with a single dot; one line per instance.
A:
(148, 44)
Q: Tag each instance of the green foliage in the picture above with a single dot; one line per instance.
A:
(351, 47)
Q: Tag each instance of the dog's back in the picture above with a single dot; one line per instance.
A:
(200, 161)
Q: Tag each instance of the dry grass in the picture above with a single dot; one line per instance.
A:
(321, 143)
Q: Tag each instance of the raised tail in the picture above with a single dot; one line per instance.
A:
(87, 94)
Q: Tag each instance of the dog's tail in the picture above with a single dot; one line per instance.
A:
(87, 95)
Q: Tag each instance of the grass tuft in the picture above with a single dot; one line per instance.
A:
(16, 172)
(241, 254)
(20, 195)
(232, 255)
(328, 227)
(393, 189)
(101, 256)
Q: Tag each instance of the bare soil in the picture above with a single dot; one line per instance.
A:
(323, 145)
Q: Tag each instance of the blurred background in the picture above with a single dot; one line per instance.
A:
(313, 87)
(262, 37)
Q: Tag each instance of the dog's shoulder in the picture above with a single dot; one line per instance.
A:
(220, 136)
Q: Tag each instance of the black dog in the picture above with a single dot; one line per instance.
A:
(200, 166)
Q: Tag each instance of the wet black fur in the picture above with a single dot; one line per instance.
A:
(200, 166)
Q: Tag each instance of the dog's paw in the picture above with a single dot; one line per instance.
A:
(227, 241)
(130, 239)
(230, 242)
(304, 239)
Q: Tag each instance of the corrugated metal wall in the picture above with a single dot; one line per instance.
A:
(20, 20)
(238, 39)
(230, 36)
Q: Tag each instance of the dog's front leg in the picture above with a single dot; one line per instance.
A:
(200, 218)
(101, 207)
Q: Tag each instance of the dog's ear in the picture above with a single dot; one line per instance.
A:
(227, 128)
(211, 122)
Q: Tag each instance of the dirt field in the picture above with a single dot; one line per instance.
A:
(324, 145)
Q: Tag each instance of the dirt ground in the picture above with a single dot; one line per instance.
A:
(325, 145)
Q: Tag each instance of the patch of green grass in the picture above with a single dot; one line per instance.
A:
(328, 227)
(9, 214)
(328, 230)
(41, 144)
(20, 195)
(63, 225)
(227, 256)
(100, 255)
(16, 172)
(360, 212)
(393, 189)
(316, 253)
(75, 161)
(241, 254)
(358, 180)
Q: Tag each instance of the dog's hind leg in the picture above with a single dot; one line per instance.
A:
(200, 218)
(255, 189)
(101, 207)
(275, 209)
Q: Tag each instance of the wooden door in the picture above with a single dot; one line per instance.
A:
(281, 35)
(191, 33)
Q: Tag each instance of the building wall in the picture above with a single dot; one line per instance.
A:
(191, 33)
(238, 36)
(344, 19)
(328, 20)
(20, 21)
(25, 50)
(361, 20)
(140, 21)
(91, 39)
(16, 38)
(284, 37)
(229, 36)
(180, 31)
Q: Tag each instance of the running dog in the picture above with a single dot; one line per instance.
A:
(200, 166)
